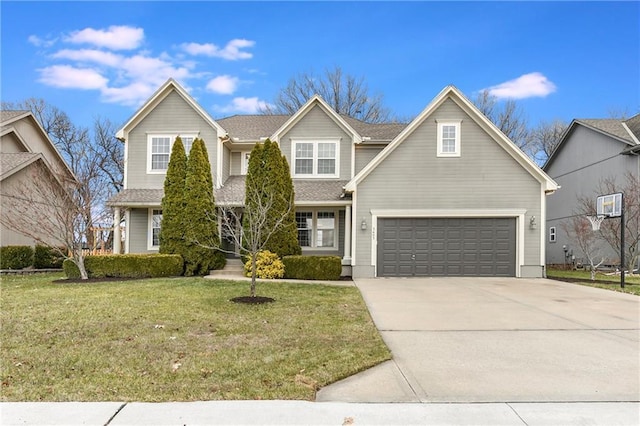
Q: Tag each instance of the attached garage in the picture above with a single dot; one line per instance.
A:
(422, 247)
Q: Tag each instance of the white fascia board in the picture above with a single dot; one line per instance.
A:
(316, 99)
(323, 203)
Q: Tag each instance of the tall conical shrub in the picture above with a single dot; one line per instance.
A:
(199, 217)
(172, 230)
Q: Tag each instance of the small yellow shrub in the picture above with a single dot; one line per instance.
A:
(268, 266)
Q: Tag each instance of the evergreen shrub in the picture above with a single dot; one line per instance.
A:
(312, 267)
(16, 257)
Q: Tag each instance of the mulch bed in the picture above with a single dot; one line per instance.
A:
(256, 300)
(93, 280)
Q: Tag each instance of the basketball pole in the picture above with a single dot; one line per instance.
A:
(622, 240)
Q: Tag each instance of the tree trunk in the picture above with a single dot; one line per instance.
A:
(253, 274)
(593, 273)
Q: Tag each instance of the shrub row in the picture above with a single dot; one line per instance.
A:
(312, 267)
(20, 257)
(128, 266)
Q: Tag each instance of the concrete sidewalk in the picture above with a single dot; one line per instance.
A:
(316, 413)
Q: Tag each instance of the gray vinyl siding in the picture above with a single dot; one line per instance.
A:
(236, 163)
(585, 159)
(318, 124)
(173, 115)
(364, 155)
(139, 230)
(484, 177)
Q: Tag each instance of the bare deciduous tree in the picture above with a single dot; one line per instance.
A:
(580, 232)
(345, 93)
(51, 210)
(508, 117)
(108, 153)
(546, 137)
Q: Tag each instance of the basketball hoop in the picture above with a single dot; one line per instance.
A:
(596, 221)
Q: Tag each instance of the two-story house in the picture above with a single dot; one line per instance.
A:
(590, 151)
(28, 160)
(447, 194)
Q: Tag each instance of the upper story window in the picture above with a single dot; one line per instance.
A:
(449, 138)
(315, 158)
(159, 150)
(552, 234)
(244, 162)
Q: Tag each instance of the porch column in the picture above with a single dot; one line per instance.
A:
(116, 230)
(347, 236)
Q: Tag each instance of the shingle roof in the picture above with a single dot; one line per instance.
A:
(8, 114)
(254, 127)
(136, 197)
(315, 191)
(634, 125)
(11, 161)
(611, 126)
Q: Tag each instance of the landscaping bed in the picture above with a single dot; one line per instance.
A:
(178, 339)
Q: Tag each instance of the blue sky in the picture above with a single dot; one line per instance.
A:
(558, 59)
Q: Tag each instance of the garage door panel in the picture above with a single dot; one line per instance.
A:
(446, 246)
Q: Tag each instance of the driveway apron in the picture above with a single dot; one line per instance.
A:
(498, 340)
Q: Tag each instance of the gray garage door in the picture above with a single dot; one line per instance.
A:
(446, 247)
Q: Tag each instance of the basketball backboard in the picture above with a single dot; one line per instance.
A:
(609, 205)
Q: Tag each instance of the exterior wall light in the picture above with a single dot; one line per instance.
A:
(532, 223)
(363, 224)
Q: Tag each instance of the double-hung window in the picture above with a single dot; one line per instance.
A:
(159, 149)
(317, 229)
(316, 158)
(155, 224)
(449, 138)
(552, 234)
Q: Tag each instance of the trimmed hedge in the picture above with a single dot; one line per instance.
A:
(312, 267)
(128, 266)
(16, 257)
(47, 258)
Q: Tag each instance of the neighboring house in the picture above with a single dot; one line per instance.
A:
(590, 151)
(447, 194)
(25, 145)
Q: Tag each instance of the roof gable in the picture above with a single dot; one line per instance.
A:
(450, 92)
(9, 117)
(316, 100)
(170, 86)
(615, 129)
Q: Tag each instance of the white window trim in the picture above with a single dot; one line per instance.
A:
(456, 124)
(244, 166)
(315, 142)
(314, 229)
(172, 138)
(553, 235)
(150, 245)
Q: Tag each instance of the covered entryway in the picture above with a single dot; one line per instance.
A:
(421, 247)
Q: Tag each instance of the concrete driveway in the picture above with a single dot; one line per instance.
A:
(498, 340)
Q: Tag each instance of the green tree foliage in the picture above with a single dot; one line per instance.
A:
(172, 231)
(270, 176)
(199, 215)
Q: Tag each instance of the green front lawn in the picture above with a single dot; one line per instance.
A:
(178, 339)
(603, 280)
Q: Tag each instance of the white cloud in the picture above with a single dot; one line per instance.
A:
(223, 84)
(131, 95)
(530, 85)
(116, 37)
(68, 77)
(232, 51)
(41, 42)
(243, 105)
(90, 55)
